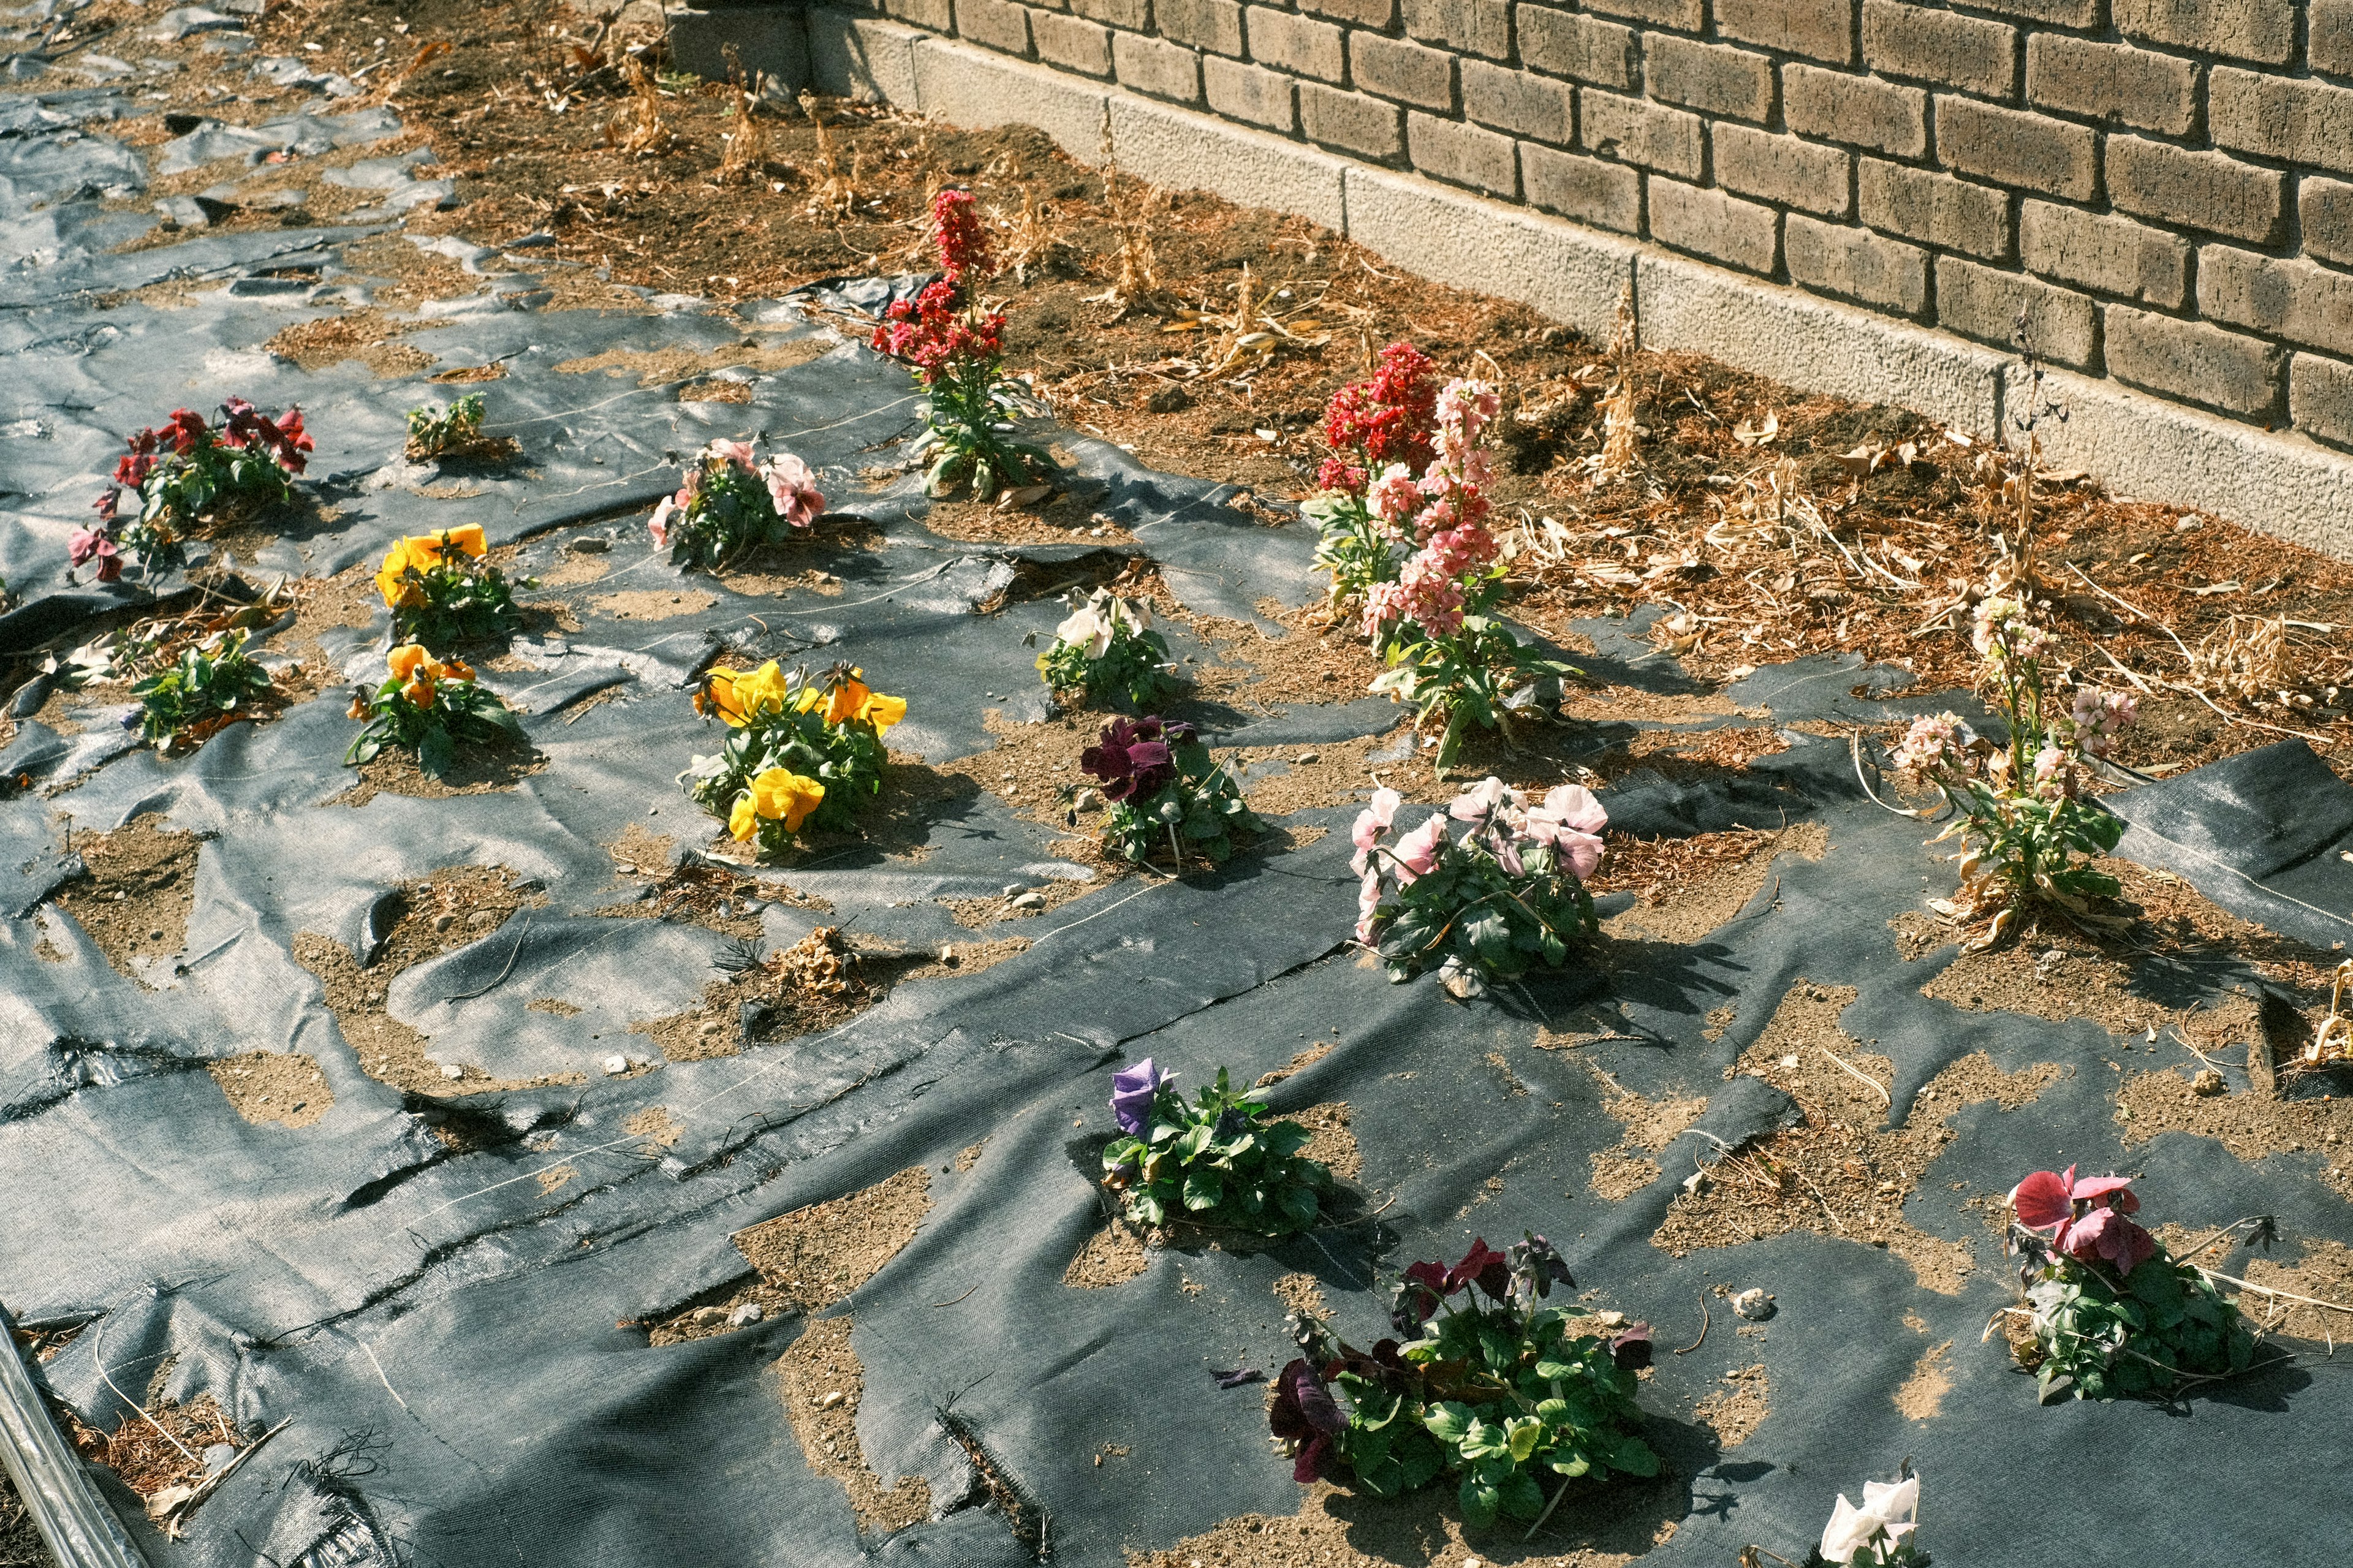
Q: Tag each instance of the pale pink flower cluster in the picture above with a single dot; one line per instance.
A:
(2004, 630)
(1503, 823)
(1932, 747)
(1442, 515)
(2098, 715)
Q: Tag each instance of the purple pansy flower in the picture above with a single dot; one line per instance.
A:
(1131, 1094)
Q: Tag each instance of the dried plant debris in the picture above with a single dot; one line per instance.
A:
(822, 1381)
(811, 1257)
(430, 915)
(137, 892)
(1841, 1171)
(282, 1087)
(159, 1451)
(1691, 886)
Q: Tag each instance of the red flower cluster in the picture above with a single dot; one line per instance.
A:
(933, 334)
(1380, 421)
(1136, 758)
(248, 426)
(963, 243)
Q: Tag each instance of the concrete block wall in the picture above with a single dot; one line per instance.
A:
(1857, 196)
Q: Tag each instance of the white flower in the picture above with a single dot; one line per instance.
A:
(1084, 627)
(1889, 1508)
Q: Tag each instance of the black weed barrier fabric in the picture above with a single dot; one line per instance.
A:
(440, 1331)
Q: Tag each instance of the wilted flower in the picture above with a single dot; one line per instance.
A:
(1630, 1347)
(2087, 1218)
(1305, 1414)
(1931, 746)
(95, 544)
(1133, 1092)
(1890, 1512)
(1536, 1268)
(2003, 630)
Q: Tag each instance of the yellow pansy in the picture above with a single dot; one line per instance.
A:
(882, 711)
(762, 691)
(742, 820)
(391, 578)
(402, 660)
(784, 795)
(420, 691)
(451, 670)
(468, 539)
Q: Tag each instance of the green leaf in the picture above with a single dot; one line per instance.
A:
(1448, 1421)
(1479, 1503)
(1634, 1457)
(1522, 1498)
(1203, 1189)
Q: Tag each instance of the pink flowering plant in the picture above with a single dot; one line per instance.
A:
(1164, 792)
(1505, 893)
(1480, 1381)
(1223, 1160)
(1448, 654)
(2021, 809)
(732, 500)
(183, 473)
(955, 344)
(1370, 427)
(2112, 1312)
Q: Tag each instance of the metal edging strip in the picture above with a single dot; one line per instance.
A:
(81, 1530)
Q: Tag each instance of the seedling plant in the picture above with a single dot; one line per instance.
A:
(2021, 809)
(440, 588)
(1504, 895)
(1162, 790)
(1219, 1160)
(453, 431)
(182, 473)
(801, 749)
(732, 501)
(2112, 1312)
(212, 684)
(1107, 646)
(1481, 1382)
(433, 707)
(955, 344)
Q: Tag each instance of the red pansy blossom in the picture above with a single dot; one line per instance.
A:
(2087, 1218)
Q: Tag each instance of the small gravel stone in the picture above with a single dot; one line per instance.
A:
(615, 1065)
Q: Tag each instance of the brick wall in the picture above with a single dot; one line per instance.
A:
(2165, 186)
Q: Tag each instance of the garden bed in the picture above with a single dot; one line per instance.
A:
(528, 1122)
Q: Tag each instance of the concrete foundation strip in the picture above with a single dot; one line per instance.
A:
(81, 1529)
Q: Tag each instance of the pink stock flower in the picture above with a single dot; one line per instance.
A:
(1371, 823)
(2087, 1218)
(1395, 497)
(793, 488)
(1932, 745)
(95, 544)
(1464, 407)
